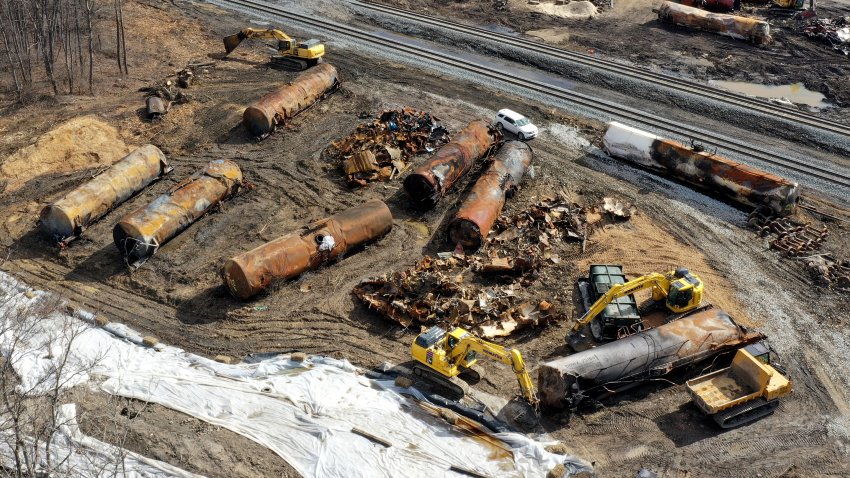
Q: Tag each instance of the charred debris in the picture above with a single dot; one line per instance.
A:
(382, 149)
(488, 289)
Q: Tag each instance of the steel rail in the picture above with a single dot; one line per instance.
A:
(629, 71)
(545, 89)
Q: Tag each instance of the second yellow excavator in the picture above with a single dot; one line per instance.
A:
(293, 55)
(444, 355)
(614, 312)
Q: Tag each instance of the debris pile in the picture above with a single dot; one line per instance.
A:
(836, 32)
(438, 291)
(380, 150)
(433, 292)
(161, 96)
(532, 232)
(830, 272)
(789, 237)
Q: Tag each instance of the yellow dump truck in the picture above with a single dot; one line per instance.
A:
(746, 391)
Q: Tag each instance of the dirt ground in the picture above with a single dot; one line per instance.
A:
(631, 31)
(178, 297)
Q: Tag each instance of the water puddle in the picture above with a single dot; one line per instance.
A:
(787, 94)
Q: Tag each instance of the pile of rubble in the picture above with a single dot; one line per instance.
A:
(830, 272)
(438, 290)
(162, 96)
(526, 239)
(380, 150)
(836, 32)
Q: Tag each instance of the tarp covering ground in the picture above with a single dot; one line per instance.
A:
(311, 413)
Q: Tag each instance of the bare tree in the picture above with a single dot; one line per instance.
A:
(120, 45)
(88, 6)
(30, 417)
(58, 38)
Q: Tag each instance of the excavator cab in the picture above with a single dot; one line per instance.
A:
(685, 291)
(434, 348)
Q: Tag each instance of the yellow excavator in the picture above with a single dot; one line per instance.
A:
(443, 355)
(614, 312)
(294, 56)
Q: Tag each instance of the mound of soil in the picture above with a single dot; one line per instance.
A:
(80, 143)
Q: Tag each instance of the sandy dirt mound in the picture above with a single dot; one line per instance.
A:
(79, 143)
(641, 246)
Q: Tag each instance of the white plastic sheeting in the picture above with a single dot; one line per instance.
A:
(73, 453)
(303, 411)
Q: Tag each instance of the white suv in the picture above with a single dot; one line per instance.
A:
(515, 123)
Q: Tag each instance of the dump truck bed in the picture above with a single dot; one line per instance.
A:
(747, 379)
(720, 390)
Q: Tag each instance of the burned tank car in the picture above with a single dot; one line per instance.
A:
(705, 170)
(565, 382)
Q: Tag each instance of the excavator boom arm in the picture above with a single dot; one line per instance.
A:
(233, 41)
(621, 290)
(511, 357)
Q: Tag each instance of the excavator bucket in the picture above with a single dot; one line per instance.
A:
(232, 41)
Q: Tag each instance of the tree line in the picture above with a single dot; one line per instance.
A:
(56, 39)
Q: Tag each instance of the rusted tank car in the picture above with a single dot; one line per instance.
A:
(139, 234)
(742, 28)
(564, 382)
(249, 273)
(66, 218)
(279, 106)
(482, 207)
(429, 182)
(713, 5)
(738, 182)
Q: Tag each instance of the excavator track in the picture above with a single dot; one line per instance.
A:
(455, 390)
(287, 63)
(745, 413)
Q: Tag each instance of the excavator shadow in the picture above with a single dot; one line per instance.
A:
(686, 425)
(208, 306)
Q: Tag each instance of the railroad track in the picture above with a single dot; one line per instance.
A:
(633, 72)
(614, 110)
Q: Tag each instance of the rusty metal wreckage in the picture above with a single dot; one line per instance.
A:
(734, 26)
(317, 243)
(139, 234)
(278, 107)
(481, 208)
(428, 183)
(382, 149)
(682, 342)
(67, 218)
